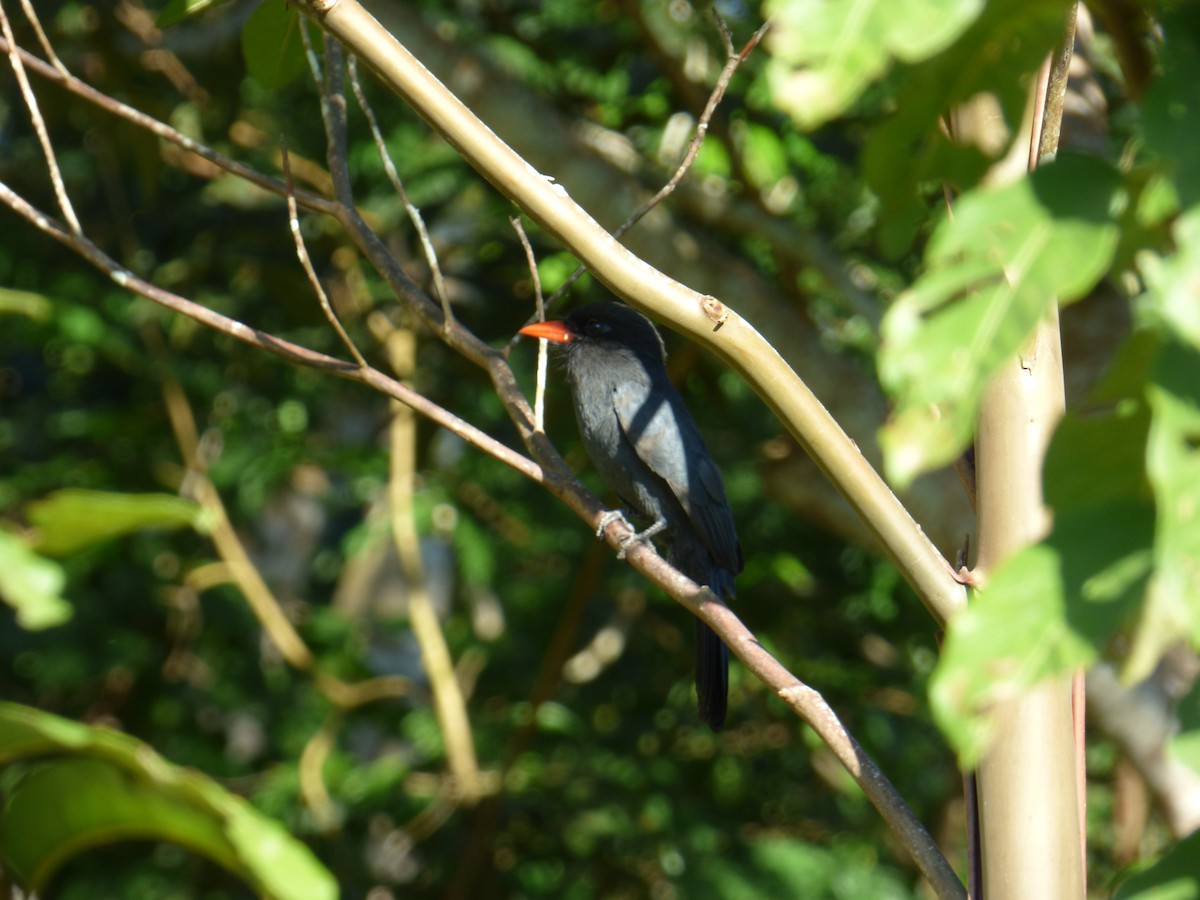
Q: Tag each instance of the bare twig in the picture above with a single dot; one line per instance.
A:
(414, 214)
(734, 58)
(539, 394)
(1044, 145)
(310, 55)
(306, 263)
(39, 124)
(47, 47)
(277, 346)
(162, 130)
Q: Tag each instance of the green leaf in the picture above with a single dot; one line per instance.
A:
(1170, 119)
(825, 52)
(32, 585)
(1097, 457)
(272, 46)
(110, 787)
(1174, 296)
(96, 804)
(992, 270)
(987, 68)
(1173, 877)
(72, 519)
(1012, 635)
(1173, 464)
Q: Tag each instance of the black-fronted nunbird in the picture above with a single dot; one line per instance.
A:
(646, 446)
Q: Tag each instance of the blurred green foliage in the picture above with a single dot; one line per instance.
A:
(609, 787)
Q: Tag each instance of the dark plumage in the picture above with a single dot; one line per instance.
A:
(646, 446)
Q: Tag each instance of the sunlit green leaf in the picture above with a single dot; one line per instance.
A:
(991, 272)
(825, 53)
(987, 69)
(1173, 463)
(95, 804)
(69, 520)
(1170, 121)
(1173, 877)
(1175, 281)
(114, 788)
(32, 585)
(272, 46)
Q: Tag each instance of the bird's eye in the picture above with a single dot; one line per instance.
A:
(596, 328)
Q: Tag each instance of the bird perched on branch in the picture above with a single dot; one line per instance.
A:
(646, 446)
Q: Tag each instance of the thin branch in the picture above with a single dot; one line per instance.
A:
(809, 705)
(306, 263)
(310, 55)
(241, 570)
(414, 214)
(262, 340)
(539, 394)
(47, 47)
(39, 124)
(161, 130)
(449, 705)
(734, 58)
(1044, 147)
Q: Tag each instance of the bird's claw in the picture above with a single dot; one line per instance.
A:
(613, 515)
(640, 537)
(637, 537)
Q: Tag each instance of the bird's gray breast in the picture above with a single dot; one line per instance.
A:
(603, 407)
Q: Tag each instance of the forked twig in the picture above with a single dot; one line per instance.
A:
(414, 214)
(306, 262)
(35, 116)
(734, 58)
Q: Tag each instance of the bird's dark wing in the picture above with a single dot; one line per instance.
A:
(663, 434)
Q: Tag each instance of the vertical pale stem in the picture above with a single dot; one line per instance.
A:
(1029, 822)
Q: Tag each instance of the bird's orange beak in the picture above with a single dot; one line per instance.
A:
(557, 332)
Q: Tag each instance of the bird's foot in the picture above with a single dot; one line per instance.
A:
(638, 537)
(613, 515)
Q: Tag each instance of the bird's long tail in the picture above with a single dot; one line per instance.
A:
(712, 676)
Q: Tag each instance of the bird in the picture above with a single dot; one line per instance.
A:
(647, 448)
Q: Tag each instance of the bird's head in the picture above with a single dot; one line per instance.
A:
(603, 328)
